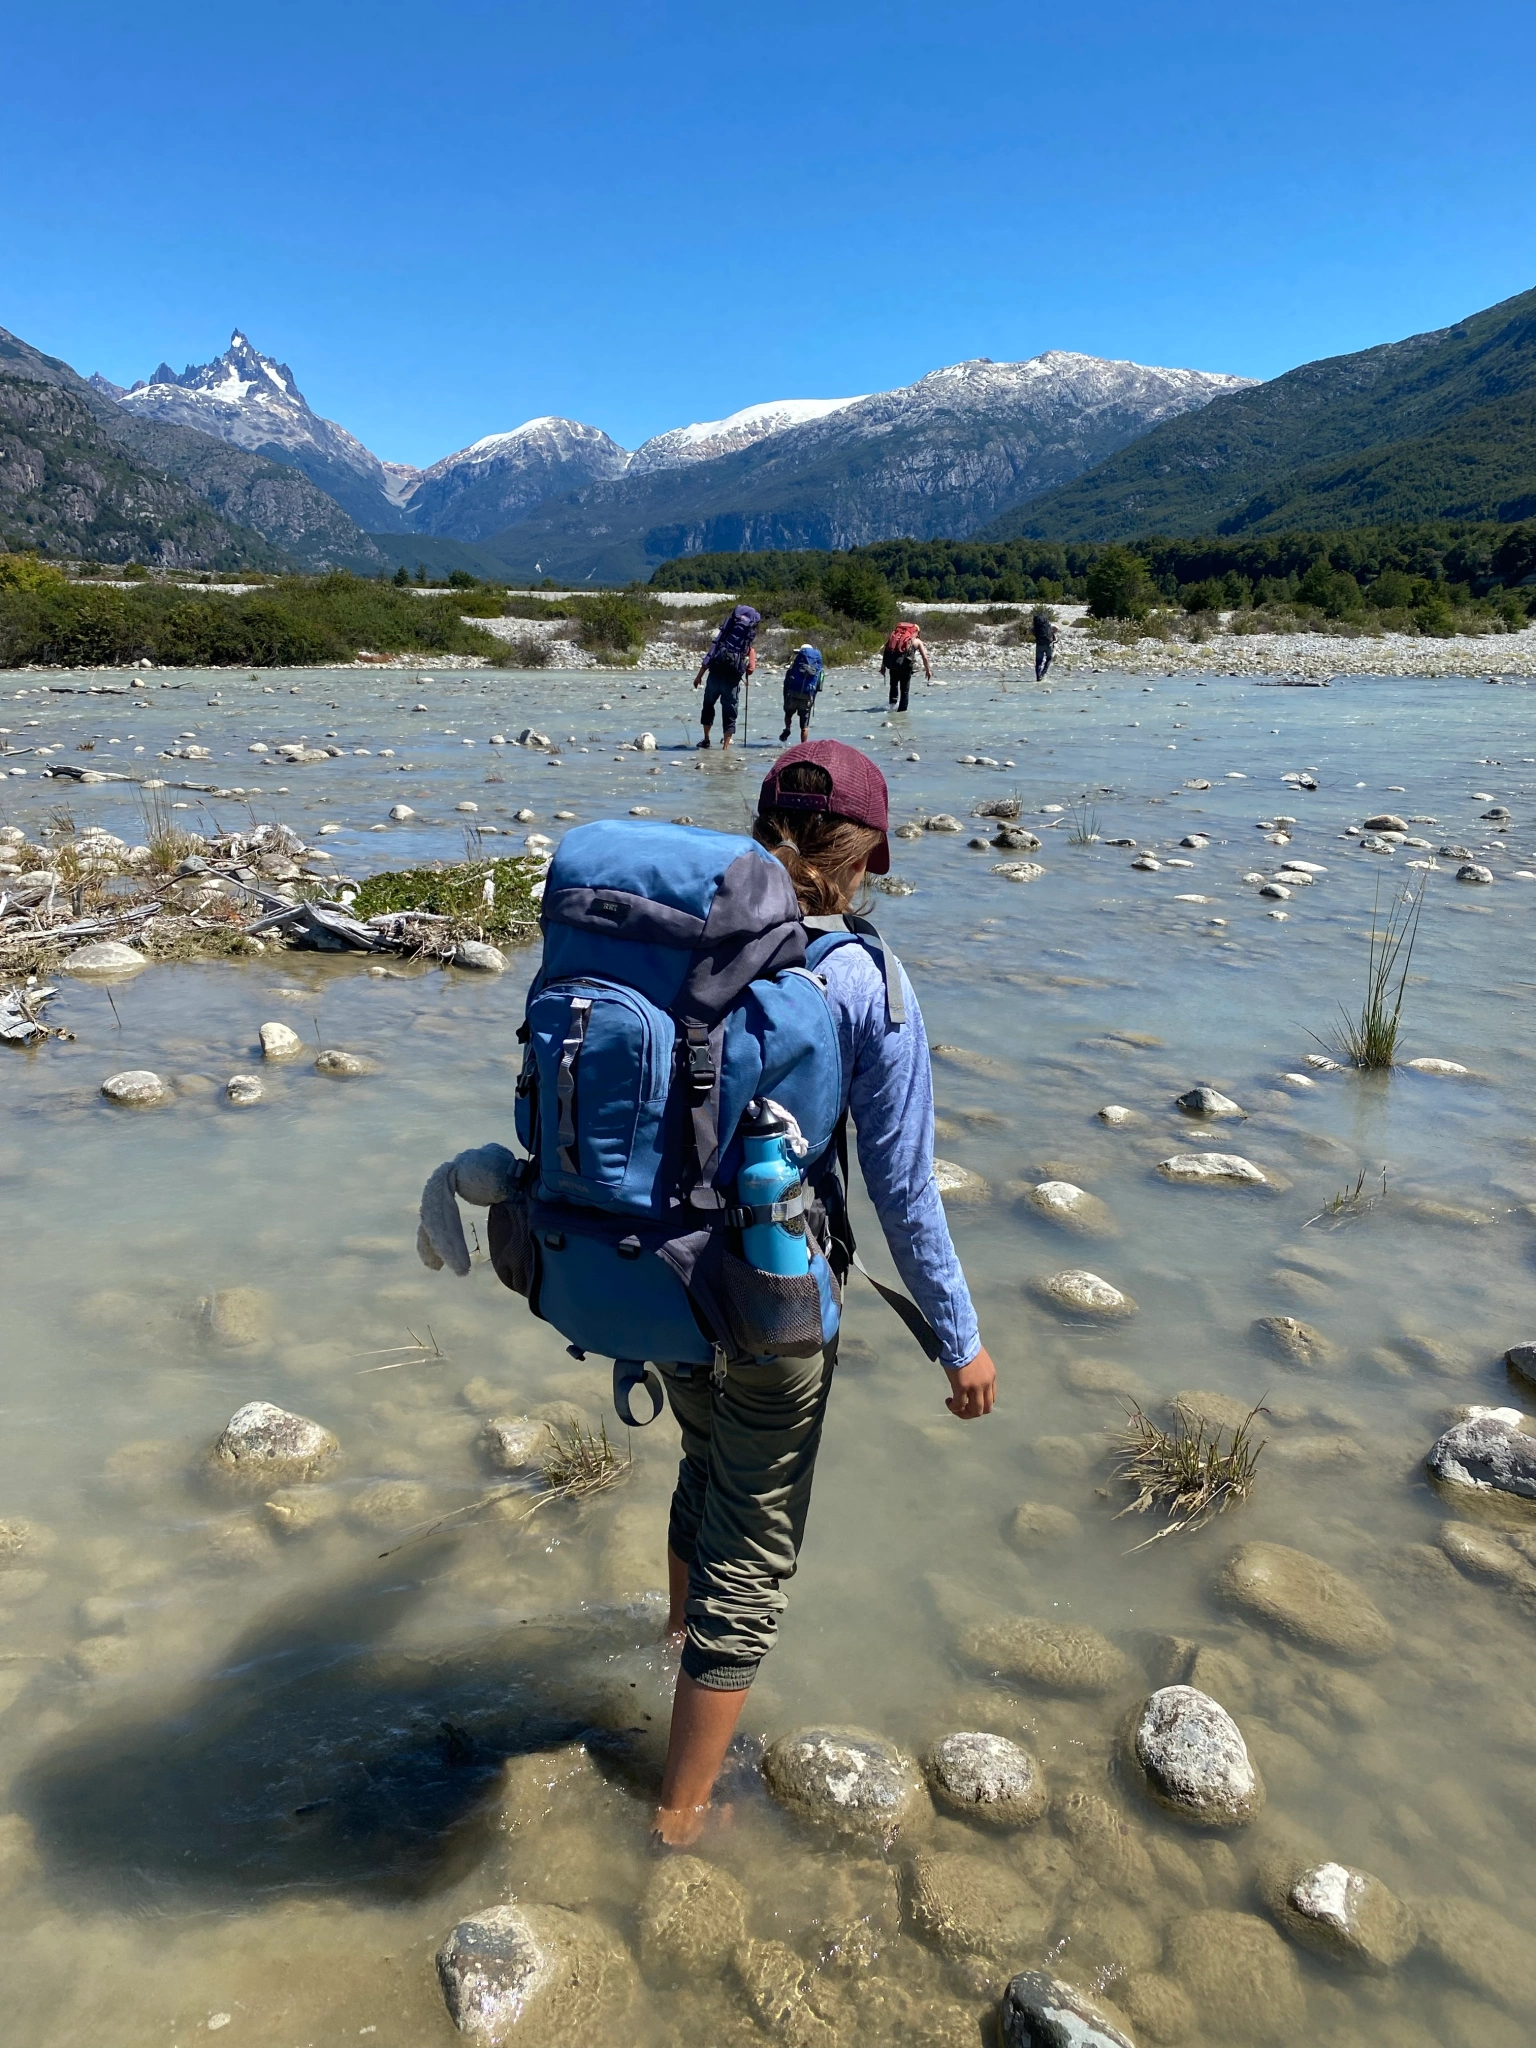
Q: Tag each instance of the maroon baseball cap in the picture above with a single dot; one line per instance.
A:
(858, 791)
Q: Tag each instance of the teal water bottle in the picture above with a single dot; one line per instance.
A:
(769, 1175)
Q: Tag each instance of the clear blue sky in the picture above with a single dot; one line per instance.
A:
(450, 217)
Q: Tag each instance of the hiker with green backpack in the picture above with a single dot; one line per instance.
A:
(708, 1015)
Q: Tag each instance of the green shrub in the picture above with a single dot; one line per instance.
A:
(1119, 586)
(610, 623)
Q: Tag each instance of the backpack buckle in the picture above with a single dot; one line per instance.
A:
(701, 1067)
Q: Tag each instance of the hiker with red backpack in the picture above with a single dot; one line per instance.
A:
(708, 1014)
(897, 659)
(731, 659)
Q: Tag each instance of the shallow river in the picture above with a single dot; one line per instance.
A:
(257, 1771)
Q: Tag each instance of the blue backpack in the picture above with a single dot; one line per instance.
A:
(733, 643)
(677, 986)
(805, 673)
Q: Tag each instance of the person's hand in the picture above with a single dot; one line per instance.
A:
(973, 1388)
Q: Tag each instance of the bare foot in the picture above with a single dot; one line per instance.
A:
(728, 741)
(680, 1827)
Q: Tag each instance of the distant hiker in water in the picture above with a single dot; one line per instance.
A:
(730, 659)
(803, 680)
(898, 658)
(1045, 643)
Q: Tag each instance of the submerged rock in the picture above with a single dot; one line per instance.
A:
(1490, 1455)
(1212, 1169)
(1037, 1525)
(104, 957)
(236, 1315)
(516, 1443)
(1196, 1762)
(1039, 2011)
(532, 1973)
(244, 1089)
(693, 1918)
(1209, 1103)
(1116, 1115)
(958, 1183)
(341, 1066)
(987, 1778)
(280, 1042)
(846, 1778)
(968, 1904)
(1296, 1341)
(1077, 1292)
(1482, 1948)
(1474, 871)
(1305, 1599)
(941, 821)
(265, 1443)
(1344, 1914)
(1018, 870)
(1521, 1360)
(1486, 1555)
(1449, 1068)
(1072, 1207)
(1240, 1976)
(1059, 1657)
(1017, 839)
(138, 1088)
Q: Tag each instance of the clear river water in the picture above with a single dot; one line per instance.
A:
(255, 1756)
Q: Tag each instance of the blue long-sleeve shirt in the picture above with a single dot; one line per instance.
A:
(888, 1087)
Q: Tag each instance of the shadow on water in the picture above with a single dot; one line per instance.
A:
(320, 1758)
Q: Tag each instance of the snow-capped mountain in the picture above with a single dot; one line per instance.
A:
(489, 485)
(938, 457)
(254, 402)
(706, 439)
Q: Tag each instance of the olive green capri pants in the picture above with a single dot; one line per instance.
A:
(739, 1509)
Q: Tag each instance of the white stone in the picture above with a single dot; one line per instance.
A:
(243, 1089)
(104, 957)
(1115, 1113)
(1212, 1169)
(137, 1087)
(280, 1042)
(1018, 870)
(400, 812)
(1428, 1066)
(646, 743)
(486, 959)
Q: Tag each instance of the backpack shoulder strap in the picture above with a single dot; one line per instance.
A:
(835, 931)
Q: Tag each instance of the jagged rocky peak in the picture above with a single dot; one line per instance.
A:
(105, 386)
(240, 374)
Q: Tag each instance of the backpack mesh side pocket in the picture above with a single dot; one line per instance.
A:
(779, 1315)
(510, 1237)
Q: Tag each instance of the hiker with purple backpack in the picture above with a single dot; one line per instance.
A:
(731, 658)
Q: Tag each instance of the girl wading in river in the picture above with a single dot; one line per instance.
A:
(707, 1016)
(749, 1451)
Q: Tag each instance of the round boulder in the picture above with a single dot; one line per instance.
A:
(341, 1066)
(1055, 1656)
(484, 959)
(1347, 1915)
(1040, 1525)
(973, 1905)
(1080, 1293)
(1240, 1977)
(1490, 1458)
(516, 1443)
(845, 1778)
(280, 1042)
(1212, 1170)
(1209, 1102)
(1072, 1207)
(536, 1974)
(1474, 871)
(1039, 2011)
(105, 957)
(987, 1778)
(958, 1183)
(1196, 1762)
(138, 1088)
(236, 1316)
(1297, 1342)
(693, 1918)
(264, 1443)
(1301, 1597)
(243, 1090)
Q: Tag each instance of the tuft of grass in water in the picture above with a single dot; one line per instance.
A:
(169, 845)
(1084, 830)
(580, 1462)
(1370, 1040)
(1349, 1202)
(1183, 1472)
